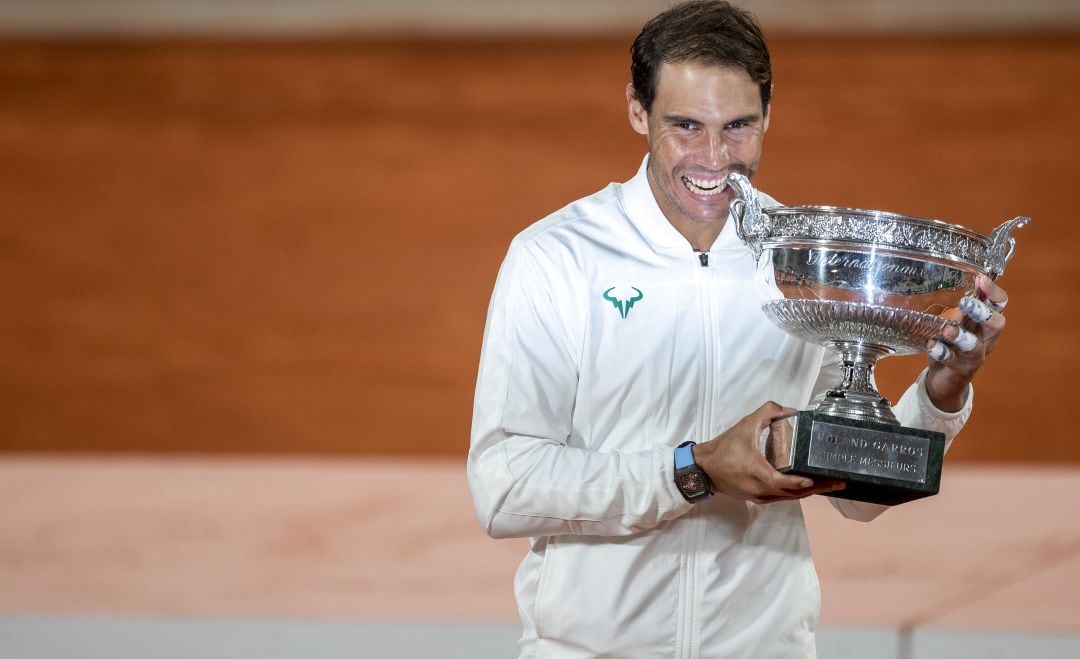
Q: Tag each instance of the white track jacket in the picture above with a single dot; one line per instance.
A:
(609, 341)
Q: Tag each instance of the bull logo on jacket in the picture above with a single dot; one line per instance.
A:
(624, 305)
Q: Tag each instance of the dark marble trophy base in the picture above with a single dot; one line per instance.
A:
(880, 463)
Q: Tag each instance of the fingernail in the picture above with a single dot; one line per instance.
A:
(976, 310)
(939, 352)
(965, 341)
(806, 483)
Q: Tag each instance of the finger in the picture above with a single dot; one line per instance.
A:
(958, 338)
(982, 313)
(939, 352)
(766, 482)
(794, 484)
(818, 487)
(774, 441)
(992, 293)
(764, 416)
(783, 483)
(772, 410)
(976, 309)
(965, 341)
(780, 431)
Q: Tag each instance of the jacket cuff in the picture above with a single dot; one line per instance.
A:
(924, 414)
(929, 407)
(677, 504)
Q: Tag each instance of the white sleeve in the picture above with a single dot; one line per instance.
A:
(524, 478)
(914, 410)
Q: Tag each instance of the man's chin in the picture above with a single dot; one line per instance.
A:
(717, 211)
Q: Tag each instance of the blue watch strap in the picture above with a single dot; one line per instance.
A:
(684, 455)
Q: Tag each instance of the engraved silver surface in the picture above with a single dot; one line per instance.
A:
(868, 452)
(867, 284)
(825, 322)
(898, 232)
(875, 277)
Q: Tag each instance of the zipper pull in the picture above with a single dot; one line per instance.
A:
(704, 258)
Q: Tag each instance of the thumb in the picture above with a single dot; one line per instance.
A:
(769, 412)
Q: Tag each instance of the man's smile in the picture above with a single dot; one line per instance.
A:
(704, 187)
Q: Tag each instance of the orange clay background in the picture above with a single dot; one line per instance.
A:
(289, 246)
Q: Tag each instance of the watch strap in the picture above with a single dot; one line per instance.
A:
(690, 479)
(684, 455)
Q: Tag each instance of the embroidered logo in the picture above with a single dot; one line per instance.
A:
(624, 306)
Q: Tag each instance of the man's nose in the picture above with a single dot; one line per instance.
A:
(716, 153)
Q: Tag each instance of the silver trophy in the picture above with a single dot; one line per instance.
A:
(867, 284)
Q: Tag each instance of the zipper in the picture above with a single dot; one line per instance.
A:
(690, 642)
(690, 647)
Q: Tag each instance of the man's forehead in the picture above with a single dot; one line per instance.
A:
(681, 66)
(687, 77)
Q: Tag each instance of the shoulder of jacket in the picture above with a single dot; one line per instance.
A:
(594, 208)
(767, 201)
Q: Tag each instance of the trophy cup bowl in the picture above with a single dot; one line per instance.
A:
(866, 284)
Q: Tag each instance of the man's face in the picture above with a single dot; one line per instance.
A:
(706, 122)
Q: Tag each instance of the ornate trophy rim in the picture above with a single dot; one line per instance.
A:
(835, 226)
(880, 215)
(777, 226)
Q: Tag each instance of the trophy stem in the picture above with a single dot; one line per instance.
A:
(856, 397)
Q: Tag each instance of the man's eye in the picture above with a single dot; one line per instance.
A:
(686, 125)
(736, 125)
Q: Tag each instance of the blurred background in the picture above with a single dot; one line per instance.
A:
(246, 249)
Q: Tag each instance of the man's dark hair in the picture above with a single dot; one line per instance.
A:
(704, 32)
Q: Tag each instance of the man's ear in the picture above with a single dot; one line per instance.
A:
(639, 118)
(768, 115)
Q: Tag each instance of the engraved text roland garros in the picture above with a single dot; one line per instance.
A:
(872, 453)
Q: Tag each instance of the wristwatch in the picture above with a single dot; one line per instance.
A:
(691, 479)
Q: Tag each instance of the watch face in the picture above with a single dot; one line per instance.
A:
(692, 483)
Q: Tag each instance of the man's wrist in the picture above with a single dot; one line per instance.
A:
(948, 398)
(690, 478)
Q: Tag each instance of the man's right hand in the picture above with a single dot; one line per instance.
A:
(734, 463)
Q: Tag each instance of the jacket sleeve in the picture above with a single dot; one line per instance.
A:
(914, 410)
(527, 475)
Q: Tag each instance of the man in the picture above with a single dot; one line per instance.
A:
(626, 324)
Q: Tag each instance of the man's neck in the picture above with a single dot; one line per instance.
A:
(701, 235)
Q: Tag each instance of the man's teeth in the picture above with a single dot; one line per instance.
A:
(703, 186)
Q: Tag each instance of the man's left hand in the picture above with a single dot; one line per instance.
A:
(963, 348)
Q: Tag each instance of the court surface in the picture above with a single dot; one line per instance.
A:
(365, 557)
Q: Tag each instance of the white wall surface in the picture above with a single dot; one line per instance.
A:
(318, 17)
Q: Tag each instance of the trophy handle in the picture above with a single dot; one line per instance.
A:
(751, 225)
(1002, 246)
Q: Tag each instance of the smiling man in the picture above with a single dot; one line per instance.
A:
(705, 121)
(628, 373)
